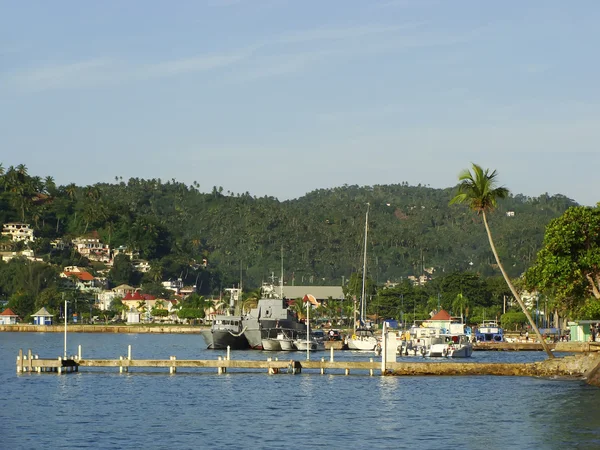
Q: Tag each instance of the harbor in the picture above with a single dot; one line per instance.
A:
(200, 402)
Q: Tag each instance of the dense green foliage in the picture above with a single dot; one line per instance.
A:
(211, 239)
(567, 267)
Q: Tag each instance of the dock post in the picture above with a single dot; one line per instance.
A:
(120, 364)
(79, 352)
(219, 368)
(269, 370)
(173, 369)
(384, 347)
(129, 352)
(322, 367)
(29, 361)
(371, 369)
(20, 361)
(331, 354)
(38, 368)
(228, 353)
(347, 371)
(59, 368)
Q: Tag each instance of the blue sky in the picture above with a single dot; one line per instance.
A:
(280, 97)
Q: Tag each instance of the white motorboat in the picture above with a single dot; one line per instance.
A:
(451, 346)
(278, 339)
(303, 344)
(286, 341)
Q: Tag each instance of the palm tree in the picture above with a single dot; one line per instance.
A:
(478, 189)
(460, 303)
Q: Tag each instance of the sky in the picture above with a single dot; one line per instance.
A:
(282, 97)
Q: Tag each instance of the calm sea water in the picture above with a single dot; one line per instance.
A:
(100, 408)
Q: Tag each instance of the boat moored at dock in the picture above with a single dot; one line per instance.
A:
(489, 332)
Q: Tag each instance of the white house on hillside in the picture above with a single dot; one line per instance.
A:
(18, 231)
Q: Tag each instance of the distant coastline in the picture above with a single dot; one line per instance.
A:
(173, 329)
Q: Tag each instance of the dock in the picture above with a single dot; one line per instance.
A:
(32, 363)
(566, 347)
(570, 367)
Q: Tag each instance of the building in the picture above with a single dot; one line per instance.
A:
(91, 248)
(27, 254)
(8, 317)
(321, 293)
(133, 315)
(174, 285)
(105, 298)
(583, 330)
(42, 317)
(81, 280)
(141, 265)
(439, 320)
(18, 231)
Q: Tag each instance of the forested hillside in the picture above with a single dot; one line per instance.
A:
(176, 227)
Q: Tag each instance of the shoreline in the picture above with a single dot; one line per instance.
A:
(125, 329)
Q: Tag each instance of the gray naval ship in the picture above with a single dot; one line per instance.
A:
(227, 329)
(271, 312)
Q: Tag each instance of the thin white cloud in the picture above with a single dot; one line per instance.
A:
(58, 76)
(341, 33)
(280, 65)
(193, 64)
(274, 57)
(100, 71)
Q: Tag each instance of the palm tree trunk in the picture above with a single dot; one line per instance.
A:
(514, 291)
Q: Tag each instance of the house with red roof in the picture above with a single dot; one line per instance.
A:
(8, 317)
(81, 280)
(441, 319)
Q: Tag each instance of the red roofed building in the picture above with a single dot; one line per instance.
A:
(81, 280)
(8, 317)
(441, 319)
(144, 303)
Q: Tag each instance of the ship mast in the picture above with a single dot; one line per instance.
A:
(363, 306)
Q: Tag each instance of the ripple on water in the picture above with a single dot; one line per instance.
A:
(105, 409)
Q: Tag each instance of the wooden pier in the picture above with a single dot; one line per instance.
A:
(573, 367)
(32, 363)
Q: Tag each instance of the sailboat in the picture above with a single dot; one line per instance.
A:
(363, 337)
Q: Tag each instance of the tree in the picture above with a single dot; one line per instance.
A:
(460, 303)
(122, 270)
(568, 265)
(478, 189)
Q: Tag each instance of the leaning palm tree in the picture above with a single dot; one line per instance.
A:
(478, 189)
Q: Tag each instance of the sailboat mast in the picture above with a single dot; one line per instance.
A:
(363, 308)
(281, 279)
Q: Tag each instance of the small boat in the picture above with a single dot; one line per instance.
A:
(278, 339)
(286, 341)
(489, 332)
(271, 344)
(302, 344)
(418, 340)
(451, 346)
(363, 339)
